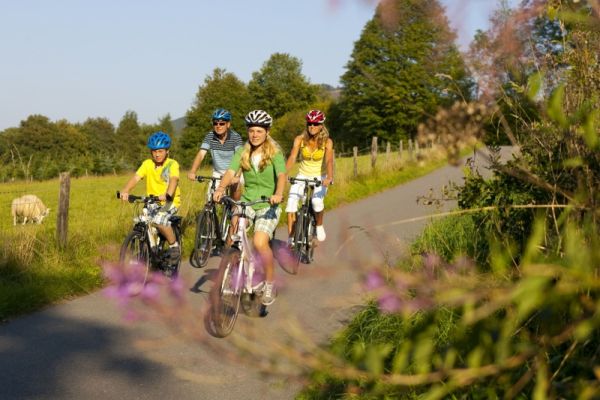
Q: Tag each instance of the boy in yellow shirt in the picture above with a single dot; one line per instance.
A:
(162, 178)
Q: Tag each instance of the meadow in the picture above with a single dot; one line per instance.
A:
(36, 272)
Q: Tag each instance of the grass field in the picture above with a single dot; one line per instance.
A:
(35, 272)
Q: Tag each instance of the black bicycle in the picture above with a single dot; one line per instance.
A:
(212, 228)
(305, 225)
(145, 244)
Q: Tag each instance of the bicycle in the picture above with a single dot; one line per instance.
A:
(145, 244)
(305, 225)
(210, 228)
(234, 285)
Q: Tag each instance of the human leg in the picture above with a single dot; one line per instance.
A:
(294, 196)
(318, 205)
(264, 227)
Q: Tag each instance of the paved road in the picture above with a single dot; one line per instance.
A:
(84, 349)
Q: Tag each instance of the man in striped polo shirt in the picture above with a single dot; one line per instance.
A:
(222, 142)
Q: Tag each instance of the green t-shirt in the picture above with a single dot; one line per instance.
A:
(259, 183)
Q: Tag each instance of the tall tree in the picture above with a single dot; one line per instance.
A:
(280, 86)
(100, 133)
(403, 67)
(222, 89)
(130, 135)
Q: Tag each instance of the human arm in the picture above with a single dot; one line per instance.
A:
(225, 181)
(129, 185)
(293, 153)
(281, 179)
(170, 193)
(196, 164)
(277, 197)
(328, 163)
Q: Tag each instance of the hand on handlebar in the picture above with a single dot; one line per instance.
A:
(218, 194)
(191, 176)
(275, 199)
(124, 196)
(327, 181)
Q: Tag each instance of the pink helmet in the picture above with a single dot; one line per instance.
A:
(315, 117)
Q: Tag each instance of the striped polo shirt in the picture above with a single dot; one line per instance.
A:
(221, 153)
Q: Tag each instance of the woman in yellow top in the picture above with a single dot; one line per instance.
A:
(317, 156)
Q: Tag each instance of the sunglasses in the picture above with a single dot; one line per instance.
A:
(313, 124)
(219, 123)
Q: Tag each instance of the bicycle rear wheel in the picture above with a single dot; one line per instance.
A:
(252, 305)
(204, 239)
(311, 238)
(135, 251)
(226, 293)
(298, 249)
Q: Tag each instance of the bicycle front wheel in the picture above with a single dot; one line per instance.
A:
(226, 293)
(225, 223)
(204, 239)
(136, 253)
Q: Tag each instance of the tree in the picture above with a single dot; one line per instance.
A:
(280, 86)
(403, 67)
(131, 138)
(287, 127)
(100, 133)
(222, 89)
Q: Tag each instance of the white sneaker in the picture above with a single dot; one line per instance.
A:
(321, 233)
(269, 294)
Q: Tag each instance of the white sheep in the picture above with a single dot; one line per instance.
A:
(29, 207)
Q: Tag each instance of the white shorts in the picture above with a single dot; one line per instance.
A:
(297, 193)
(219, 175)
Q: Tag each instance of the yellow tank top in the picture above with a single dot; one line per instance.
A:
(312, 161)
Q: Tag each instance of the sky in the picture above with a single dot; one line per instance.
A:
(75, 59)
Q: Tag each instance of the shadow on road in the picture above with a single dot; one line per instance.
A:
(47, 355)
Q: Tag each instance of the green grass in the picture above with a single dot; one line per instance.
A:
(34, 272)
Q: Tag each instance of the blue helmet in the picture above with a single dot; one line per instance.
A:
(159, 140)
(222, 114)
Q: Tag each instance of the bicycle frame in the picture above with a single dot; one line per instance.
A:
(149, 231)
(219, 223)
(247, 258)
(305, 247)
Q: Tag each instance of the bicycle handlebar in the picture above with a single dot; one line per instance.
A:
(227, 199)
(205, 178)
(311, 182)
(133, 198)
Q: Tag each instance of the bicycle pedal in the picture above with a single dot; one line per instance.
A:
(258, 287)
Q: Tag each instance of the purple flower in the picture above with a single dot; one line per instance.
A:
(374, 280)
(389, 303)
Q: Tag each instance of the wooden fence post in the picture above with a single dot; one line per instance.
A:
(400, 149)
(373, 151)
(388, 149)
(355, 157)
(417, 149)
(62, 223)
(410, 149)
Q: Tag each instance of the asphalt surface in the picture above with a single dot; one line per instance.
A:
(86, 349)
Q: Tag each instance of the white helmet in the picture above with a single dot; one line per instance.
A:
(258, 118)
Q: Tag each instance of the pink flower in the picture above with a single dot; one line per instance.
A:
(374, 280)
